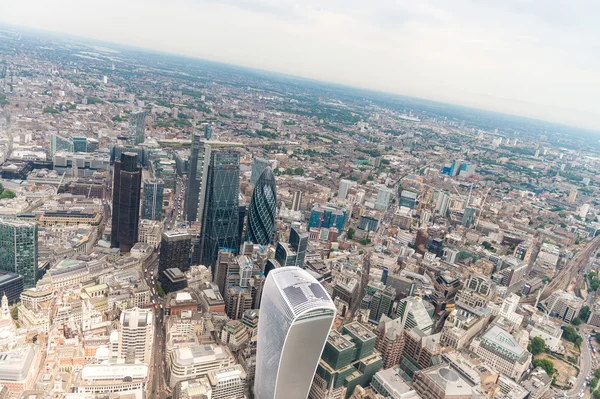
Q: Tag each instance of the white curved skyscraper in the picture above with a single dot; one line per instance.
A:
(296, 314)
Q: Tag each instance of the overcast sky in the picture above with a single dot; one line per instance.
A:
(537, 58)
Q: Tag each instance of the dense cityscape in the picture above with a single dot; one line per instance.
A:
(178, 228)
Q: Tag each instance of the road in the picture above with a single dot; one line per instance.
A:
(175, 216)
(158, 387)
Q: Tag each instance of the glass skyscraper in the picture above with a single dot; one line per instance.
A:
(258, 166)
(127, 181)
(262, 210)
(194, 199)
(295, 319)
(220, 227)
(58, 143)
(153, 199)
(137, 128)
(19, 249)
(293, 252)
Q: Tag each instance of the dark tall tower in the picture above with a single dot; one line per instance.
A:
(194, 200)
(153, 199)
(262, 209)
(175, 249)
(127, 176)
(220, 227)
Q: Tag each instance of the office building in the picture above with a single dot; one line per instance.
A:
(208, 131)
(172, 280)
(384, 197)
(468, 219)
(58, 143)
(258, 166)
(413, 314)
(441, 382)
(389, 384)
(327, 217)
(349, 360)
(77, 165)
(379, 300)
(228, 383)
(408, 199)
(390, 341)
(127, 182)
(220, 228)
(153, 199)
(19, 368)
(563, 305)
(294, 324)
(500, 350)
(345, 185)
(136, 335)
(19, 249)
(368, 223)
(11, 285)
(262, 210)
(296, 200)
(190, 361)
(117, 150)
(293, 252)
(136, 134)
(175, 249)
(80, 144)
(194, 201)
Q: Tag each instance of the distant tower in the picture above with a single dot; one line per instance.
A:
(208, 131)
(262, 210)
(5, 309)
(137, 128)
(127, 181)
(295, 319)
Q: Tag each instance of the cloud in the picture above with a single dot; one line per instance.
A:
(529, 57)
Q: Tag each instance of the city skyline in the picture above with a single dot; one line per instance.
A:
(484, 66)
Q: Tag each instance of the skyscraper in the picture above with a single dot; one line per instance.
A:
(295, 320)
(127, 181)
(261, 213)
(136, 335)
(220, 221)
(258, 166)
(208, 131)
(344, 187)
(19, 249)
(137, 126)
(153, 199)
(175, 247)
(293, 252)
(193, 200)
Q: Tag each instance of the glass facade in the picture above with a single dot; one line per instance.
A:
(220, 227)
(295, 320)
(194, 201)
(262, 210)
(137, 128)
(19, 250)
(153, 199)
(127, 181)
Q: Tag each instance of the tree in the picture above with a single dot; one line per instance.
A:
(596, 394)
(536, 346)
(576, 321)
(584, 313)
(15, 313)
(7, 194)
(597, 373)
(545, 364)
(570, 334)
(350, 233)
(594, 383)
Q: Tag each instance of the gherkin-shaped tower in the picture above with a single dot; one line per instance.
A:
(262, 209)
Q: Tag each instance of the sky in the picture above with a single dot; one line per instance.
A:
(535, 58)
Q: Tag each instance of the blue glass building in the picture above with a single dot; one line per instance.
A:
(262, 210)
